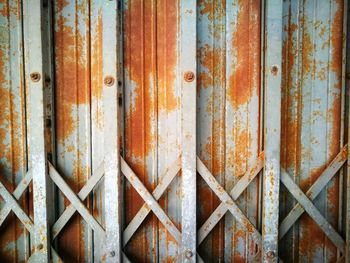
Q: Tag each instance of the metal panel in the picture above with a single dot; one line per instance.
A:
(152, 120)
(174, 87)
(13, 158)
(228, 122)
(312, 126)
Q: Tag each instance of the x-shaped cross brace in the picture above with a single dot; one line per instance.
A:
(235, 192)
(305, 200)
(151, 203)
(12, 204)
(77, 202)
(228, 202)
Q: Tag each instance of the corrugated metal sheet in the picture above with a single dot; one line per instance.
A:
(239, 139)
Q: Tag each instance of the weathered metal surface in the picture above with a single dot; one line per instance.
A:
(174, 86)
(312, 123)
(14, 237)
(152, 119)
(228, 122)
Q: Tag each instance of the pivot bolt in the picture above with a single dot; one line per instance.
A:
(109, 81)
(189, 76)
(35, 76)
(40, 246)
(270, 254)
(188, 254)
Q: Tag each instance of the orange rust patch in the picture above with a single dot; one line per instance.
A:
(245, 78)
(4, 11)
(167, 26)
(291, 96)
(210, 59)
(150, 59)
(239, 236)
(72, 55)
(72, 72)
(308, 64)
(96, 70)
(139, 61)
(215, 10)
(337, 41)
(241, 153)
(11, 141)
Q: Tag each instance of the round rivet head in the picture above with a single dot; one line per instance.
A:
(188, 254)
(274, 70)
(40, 246)
(112, 254)
(270, 254)
(189, 76)
(109, 81)
(35, 76)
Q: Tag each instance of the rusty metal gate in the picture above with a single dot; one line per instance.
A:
(230, 117)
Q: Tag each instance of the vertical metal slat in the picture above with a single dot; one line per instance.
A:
(35, 80)
(272, 116)
(111, 133)
(188, 125)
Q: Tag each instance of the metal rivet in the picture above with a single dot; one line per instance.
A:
(270, 254)
(40, 246)
(189, 76)
(35, 76)
(274, 70)
(112, 254)
(109, 81)
(188, 254)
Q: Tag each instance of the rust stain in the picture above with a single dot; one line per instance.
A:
(96, 70)
(72, 54)
(239, 237)
(150, 59)
(211, 59)
(308, 63)
(242, 151)
(337, 41)
(4, 11)
(72, 72)
(139, 61)
(167, 27)
(246, 47)
(215, 11)
(11, 139)
(291, 96)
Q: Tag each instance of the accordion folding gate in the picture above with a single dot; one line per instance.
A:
(174, 131)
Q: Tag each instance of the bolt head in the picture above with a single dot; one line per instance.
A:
(188, 254)
(270, 254)
(40, 246)
(109, 81)
(35, 76)
(274, 70)
(189, 76)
